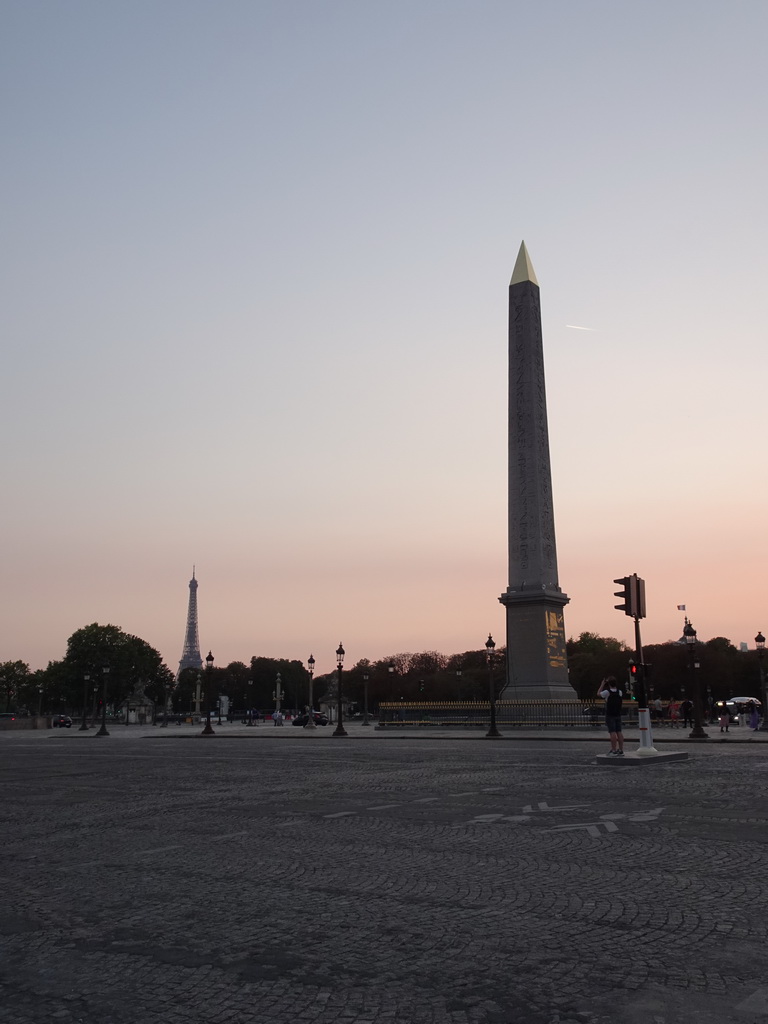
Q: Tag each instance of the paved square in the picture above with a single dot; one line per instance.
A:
(363, 881)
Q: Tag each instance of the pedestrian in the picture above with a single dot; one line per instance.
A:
(674, 713)
(658, 708)
(609, 692)
(725, 718)
(754, 717)
(687, 711)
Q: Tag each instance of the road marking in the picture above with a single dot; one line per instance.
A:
(638, 816)
(489, 819)
(591, 827)
(544, 806)
(340, 814)
(381, 807)
(473, 793)
(426, 799)
(229, 835)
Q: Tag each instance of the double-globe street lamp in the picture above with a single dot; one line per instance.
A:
(760, 647)
(310, 722)
(208, 730)
(365, 699)
(84, 723)
(490, 646)
(103, 730)
(339, 730)
(164, 724)
(697, 733)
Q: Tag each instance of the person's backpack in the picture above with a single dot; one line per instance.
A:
(613, 703)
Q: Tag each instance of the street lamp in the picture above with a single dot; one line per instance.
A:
(196, 711)
(277, 696)
(165, 704)
(760, 646)
(339, 730)
(365, 699)
(310, 722)
(697, 733)
(493, 733)
(103, 730)
(84, 723)
(208, 730)
(40, 700)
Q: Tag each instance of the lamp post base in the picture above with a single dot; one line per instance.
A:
(340, 731)
(493, 734)
(697, 733)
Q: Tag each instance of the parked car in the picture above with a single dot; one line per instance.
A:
(320, 719)
(62, 721)
(11, 716)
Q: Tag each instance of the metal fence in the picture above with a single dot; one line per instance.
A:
(521, 713)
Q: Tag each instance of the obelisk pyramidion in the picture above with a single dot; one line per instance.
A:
(536, 658)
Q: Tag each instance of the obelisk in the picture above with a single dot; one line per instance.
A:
(536, 658)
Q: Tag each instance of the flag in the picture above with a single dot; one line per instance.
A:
(681, 607)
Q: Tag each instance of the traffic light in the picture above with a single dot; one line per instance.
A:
(632, 679)
(632, 595)
(625, 594)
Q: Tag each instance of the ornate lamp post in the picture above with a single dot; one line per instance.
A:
(103, 730)
(760, 646)
(208, 730)
(164, 724)
(310, 722)
(84, 723)
(40, 700)
(365, 699)
(197, 697)
(697, 733)
(493, 733)
(339, 730)
(277, 696)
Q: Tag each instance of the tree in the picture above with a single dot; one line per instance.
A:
(14, 677)
(132, 663)
(593, 657)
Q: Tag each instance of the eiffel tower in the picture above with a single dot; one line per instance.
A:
(190, 656)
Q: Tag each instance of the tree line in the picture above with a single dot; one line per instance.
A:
(77, 679)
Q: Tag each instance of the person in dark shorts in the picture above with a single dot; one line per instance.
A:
(609, 691)
(686, 709)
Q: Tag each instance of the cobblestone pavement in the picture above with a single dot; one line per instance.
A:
(417, 881)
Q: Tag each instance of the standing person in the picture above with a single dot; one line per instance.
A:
(725, 717)
(674, 713)
(609, 691)
(687, 709)
(658, 707)
(754, 718)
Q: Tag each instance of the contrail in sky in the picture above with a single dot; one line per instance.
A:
(575, 328)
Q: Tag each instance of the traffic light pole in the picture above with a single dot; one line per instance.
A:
(643, 713)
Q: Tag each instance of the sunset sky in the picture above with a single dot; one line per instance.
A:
(255, 269)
